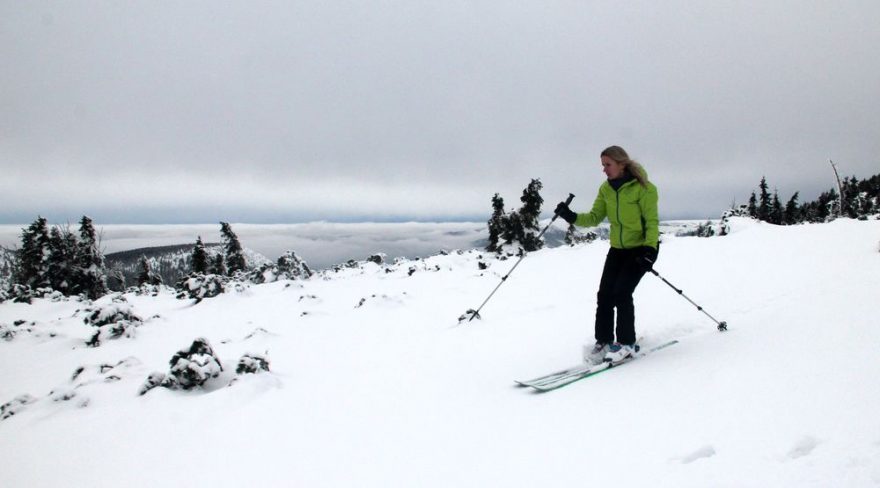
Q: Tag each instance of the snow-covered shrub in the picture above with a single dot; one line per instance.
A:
(706, 229)
(25, 294)
(6, 332)
(122, 328)
(740, 211)
(574, 236)
(290, 266)
(62, 394)
(147, 290)
(191, 368)
(238, 286)
(15, 405)
(10, 332)
(199, 286)
(252, 363)
(266, 273)
(155, 379)
(112, 321)
(111, 313)
(102, 373)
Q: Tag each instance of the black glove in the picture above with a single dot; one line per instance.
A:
(563, 211)
(647, 256)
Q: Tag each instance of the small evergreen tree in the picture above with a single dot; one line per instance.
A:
(776, 214)
(705, 230)
(62, 245)
(825, 205)
(496, 223)
(33, 257)
(218, 267)
(753, 206)
(792, 212)
(529, 213)
(235, 260)
(513, 228)
(199, 257)
(91, 275)
(764, 202)
(146, 275)
(291, 266)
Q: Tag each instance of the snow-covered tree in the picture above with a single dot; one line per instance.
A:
(791, 214)
(496, 223)
(62, 259)
(199, 257)
(519, 227)
(292, 266)
(753, 205)
(764, 202)
(90, 276)
(218, 266)
(573, 236)
(32, 268)
(706, 229)
(529, 212)
(146, 275)
(513, 231)
(235, 260)
(776, 211)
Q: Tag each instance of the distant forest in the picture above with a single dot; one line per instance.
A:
(861, 200)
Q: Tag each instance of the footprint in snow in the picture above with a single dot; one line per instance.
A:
(701, 453)
(803, 447)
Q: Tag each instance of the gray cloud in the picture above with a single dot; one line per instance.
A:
(267, 111)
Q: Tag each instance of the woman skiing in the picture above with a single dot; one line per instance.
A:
(629, 201)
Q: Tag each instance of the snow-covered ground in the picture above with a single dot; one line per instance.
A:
(373, 383)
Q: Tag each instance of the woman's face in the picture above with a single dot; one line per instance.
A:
(611, 168)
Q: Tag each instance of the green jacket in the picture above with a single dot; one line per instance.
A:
(632, 211)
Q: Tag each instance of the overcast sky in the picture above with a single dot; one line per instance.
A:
(200, 111)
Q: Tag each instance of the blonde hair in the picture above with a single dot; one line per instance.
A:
(630, 166)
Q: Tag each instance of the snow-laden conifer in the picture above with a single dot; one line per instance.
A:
(496, 223)
(91, 275)
(199, 257)
(33, 258)
(235, 260)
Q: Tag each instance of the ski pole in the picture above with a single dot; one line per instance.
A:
(476, 313)
(722, 326)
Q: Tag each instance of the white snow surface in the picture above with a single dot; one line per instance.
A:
(373, 383)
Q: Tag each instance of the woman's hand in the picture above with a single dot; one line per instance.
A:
(647, 257)
(563, 211)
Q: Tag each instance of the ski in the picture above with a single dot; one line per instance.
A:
(568, 376)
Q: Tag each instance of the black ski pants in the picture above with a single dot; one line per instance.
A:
(620, 277)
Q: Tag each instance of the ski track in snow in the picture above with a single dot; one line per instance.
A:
(373, 383)
(701, 453)
(803, 447)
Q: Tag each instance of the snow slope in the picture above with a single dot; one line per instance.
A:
(373, 383)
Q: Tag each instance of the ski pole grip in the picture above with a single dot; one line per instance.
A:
(567, 202)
